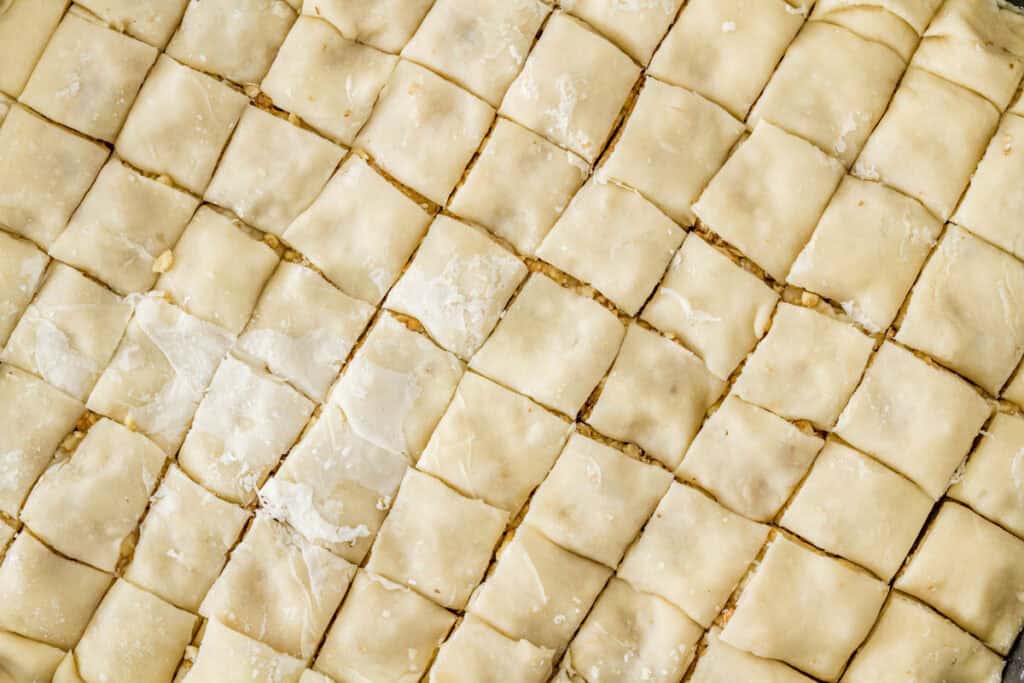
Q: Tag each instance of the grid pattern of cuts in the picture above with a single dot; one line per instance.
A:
(509, 340)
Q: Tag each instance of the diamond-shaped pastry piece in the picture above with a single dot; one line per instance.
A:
(992, 482)
(227, 656)
(22, 266)
(28, 659)
(25, 28)
(477, 652)
(722, 663)
(152, 22)
(385, 24)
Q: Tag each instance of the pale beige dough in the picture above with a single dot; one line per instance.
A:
(806, 609)
(806, 367)
(331, 82)
(676, 387)
(1014, 390)
(868, 270)
(184, 541)
(26, 661)
(246, 421)
(180, 124)
(22, 266)
(121, 228)
(722, 663)
(385, 24)
(596, 499)
(493, 444)
(552, 345)
(360, 231)
(25, 28)
(304, 328)
(713, 306)
(226, 656)
(636, 27)
(896, 24)
(152, 22)
(67, 672)
(45, 171)
(769, 195)
(965, 310)
(572, 87)
(479, 44)
(917, 419)
(693, 552)
(88, 77)
(396, 387)
(519, 185)
(35, 419)
(671, 145)
(615, 240)
(929, 157)
(424, 130)
(235, 39)
(992, 483)
(726, 50)
(69, 332)
(457, 285)
(383, 632)
(748, 458)
(217, 270)
(279, 589)
(538, 591)
(271, 171)
(476, 653)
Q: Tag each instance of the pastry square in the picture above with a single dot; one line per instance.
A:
(330, 82)
(991, 208)
(25, 28)
(121, 228)
(271, 171)
(245, 423)
(963, 310)
(992, 479)
(519, 185)
(633, 636)
(396, 387)
(693, 552)
(217, 270)
(457, 285)
(806, 609)
(677, 389)
(831, 88)
(35, 419)
(572, 88)
(385, 24)
(973, 572)
(28, 660)
(180, 124)
(652, 157)
(916, 418)
(722, 663)
(1014, 390)
(45, 170)
(71, 506)
(552, 345)
(436, 541)
(712, 305)
(867, 250)
(235, 39)
(635, 27)
(152, 22)
(21, 270)
(854, 507)
(134, 636)
(159, 372)
(69, 332)
(383, 632)
(929, 157)
(615, 240)
(476, 652)
(493, 444)
(424, 130)
(184, 541)
(768, 197)
(726, 50)
(226, 656)
(596, 499)
(897, 24)
(479, 44)
(45, 596)
(911, 642)
(751, 460)
(279, 589)
(304, 328)
(88, 77)
(335, 487)
(806, 367)
(538, 591)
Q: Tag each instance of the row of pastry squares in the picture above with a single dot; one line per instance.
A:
(458, 339)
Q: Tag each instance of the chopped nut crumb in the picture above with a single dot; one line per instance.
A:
(165, 180)
(163, 262)
(810, 299)
(251, 89)
(129, 422)
(272, 241)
